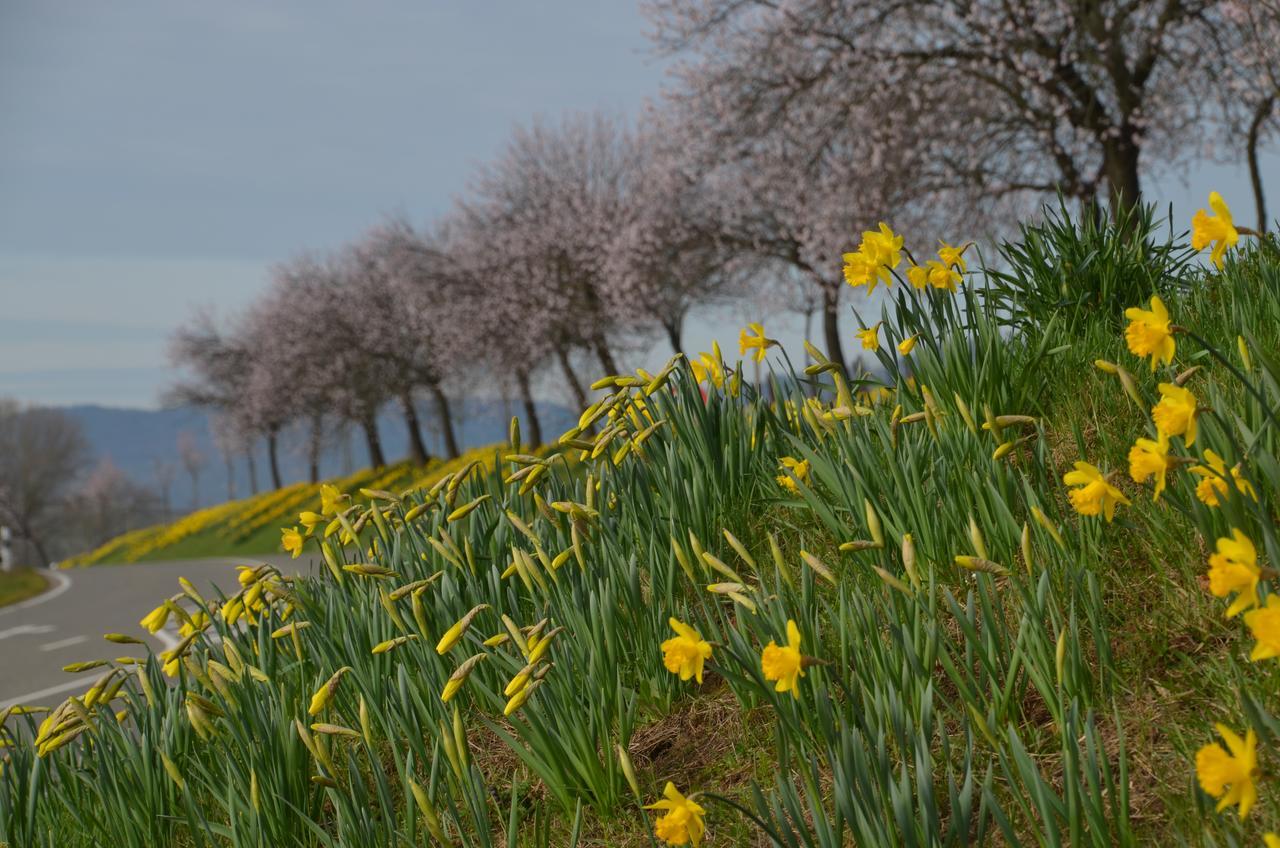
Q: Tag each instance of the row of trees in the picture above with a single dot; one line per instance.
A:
(786, 130)
(54, 497)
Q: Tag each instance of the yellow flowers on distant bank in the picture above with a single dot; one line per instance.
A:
(685, 653)
(1228, 774)
(1149, 458)
(784, 664)
(1234, 568)
(879, 253)
(1175, 414)
(1217, 229)
(1149, 333)
(681, 822)
(753, 338)
(1093, 495)
(798, 470)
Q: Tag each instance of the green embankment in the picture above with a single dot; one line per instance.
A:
(252, 525)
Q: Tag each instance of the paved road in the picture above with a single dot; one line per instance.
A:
(65, 624)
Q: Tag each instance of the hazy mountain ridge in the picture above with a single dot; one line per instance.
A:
(135, 439)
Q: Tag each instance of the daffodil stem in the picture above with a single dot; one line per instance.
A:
(777, 840)
(1244, 381)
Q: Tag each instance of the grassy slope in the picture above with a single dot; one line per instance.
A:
(252, 525)
(1173, 652)
(20, 584)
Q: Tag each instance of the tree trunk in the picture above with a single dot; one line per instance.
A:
(231, 476)
(672, 326)
(831, 324)
(446, 421)
(41, 554)
(273, 457)
(417, 448)
(373, 440)
(252, 464)
(1255, 170)
(575, 385)
(607, 361)
(314, 441)
(534, 426)
(1124, 188)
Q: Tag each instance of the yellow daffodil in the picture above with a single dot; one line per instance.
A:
(681, 822)
(943, 276)
(1264, 624)
(1234, 568)
(784, 664)
(1218, 230)
(878, 254)
(1213, 480)
(707, 368)
(1149, 333)
(799, 471)
(291, 540)
(157, 618)
(1094, 495)
(754, 340)
(1175, 414)
(918, 276)
(952, 257)
(199, 621)
(685, 653)
(884, 247)
(870, 337)
(1271, 840)
(310, 520)
(1149, 458)
(907, 345)
(859, 270)
(1228, 774)
(331, 500)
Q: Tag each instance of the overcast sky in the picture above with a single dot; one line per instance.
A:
(158, 155)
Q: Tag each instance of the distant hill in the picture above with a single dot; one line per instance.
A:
(134, 439)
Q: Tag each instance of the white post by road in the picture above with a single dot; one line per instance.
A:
(6, 552)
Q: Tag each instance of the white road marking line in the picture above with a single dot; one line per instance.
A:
(26, 629)
(82, 685)
(64, 643)
(64, 583)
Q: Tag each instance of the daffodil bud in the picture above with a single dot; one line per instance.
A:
(455, 633)
(873, 523)
(909, 559)
(975, 537)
